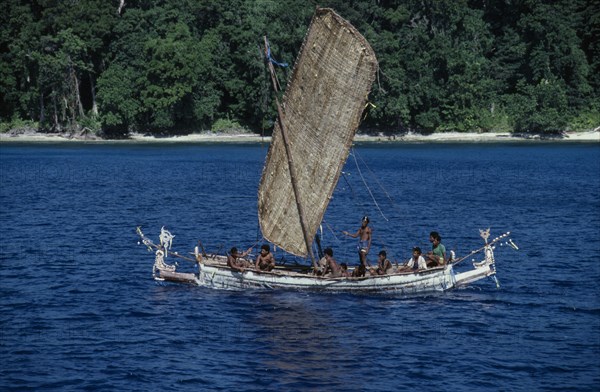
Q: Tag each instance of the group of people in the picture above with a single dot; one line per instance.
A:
(264, 261)
(328, 266)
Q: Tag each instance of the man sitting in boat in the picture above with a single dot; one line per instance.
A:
(364, 240)
(437, 256)
(265, 260)
(345, 272)
(320, 267)
(235, 260)
(416, 262)
(359, 271)
(384, 265)
(332, 269)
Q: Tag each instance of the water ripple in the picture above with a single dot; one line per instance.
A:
(80, 311)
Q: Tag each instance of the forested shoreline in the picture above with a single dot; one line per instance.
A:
(176, 67)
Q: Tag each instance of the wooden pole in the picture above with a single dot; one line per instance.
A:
(482, 248)
(202, 247)
(290, 159)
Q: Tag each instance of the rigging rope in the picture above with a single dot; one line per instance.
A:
(258, 236)
(332, 231)
(256, 243)
(271, 59)
(367, 186)
(366, 112)
(344, 174)
(375, 177)
(393, 203)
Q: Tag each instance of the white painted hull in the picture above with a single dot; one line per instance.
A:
(218, 276)
(213, 272)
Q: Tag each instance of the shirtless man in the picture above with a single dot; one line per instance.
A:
(384, 265)
(331, 268)
(364, 240)
(437, 256)
(345, 272)
(235, 261)
(265, 260)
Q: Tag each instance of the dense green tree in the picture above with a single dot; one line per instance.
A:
(180, 66)
(172, 69)
(18, 92)
(590, 34)
(118, 99)
(539, 62)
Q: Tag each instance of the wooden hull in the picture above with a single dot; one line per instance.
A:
(215, 274)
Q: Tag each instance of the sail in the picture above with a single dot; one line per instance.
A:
(322, 107)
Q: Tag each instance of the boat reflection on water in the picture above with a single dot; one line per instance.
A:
(302, 342)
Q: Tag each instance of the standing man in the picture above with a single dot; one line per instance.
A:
(364, 241)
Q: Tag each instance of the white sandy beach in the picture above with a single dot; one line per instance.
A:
(446, 137)
(590, 136)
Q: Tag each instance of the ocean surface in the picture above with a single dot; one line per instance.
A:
(79, 310)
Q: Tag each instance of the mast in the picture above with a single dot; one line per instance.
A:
(290, 160)
(319, 113)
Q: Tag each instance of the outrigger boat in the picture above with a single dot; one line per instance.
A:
(321, 111)
(214, 272)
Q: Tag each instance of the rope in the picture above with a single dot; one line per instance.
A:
(258, 236)
(332, 231)
(378, 84)
(256, 243)
(344, 252)
(375, 177)
(271, 59)
(353, 195)
(367, 186)
(344, 174)
(365, 110)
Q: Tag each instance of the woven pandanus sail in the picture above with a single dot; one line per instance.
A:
(322, 108)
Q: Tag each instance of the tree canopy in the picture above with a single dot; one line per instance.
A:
(166, 66)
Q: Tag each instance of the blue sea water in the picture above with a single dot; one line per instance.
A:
(79, 309)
